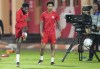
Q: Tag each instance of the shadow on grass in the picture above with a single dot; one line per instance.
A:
(51, 67)
(32, 68)
(94, 61)
(64, 66)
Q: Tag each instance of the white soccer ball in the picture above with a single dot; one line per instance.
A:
(24, 34)
(88, 42)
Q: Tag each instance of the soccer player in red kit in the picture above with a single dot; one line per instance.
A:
(21, 28)
(49, 21)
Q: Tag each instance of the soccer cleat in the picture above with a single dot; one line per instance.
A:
(52, 63)
(17, 64)
(40, 61)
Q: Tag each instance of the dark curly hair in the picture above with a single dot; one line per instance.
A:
(97, 5)
(25, 4)
(50, 3)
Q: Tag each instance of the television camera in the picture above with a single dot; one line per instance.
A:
(81, 22)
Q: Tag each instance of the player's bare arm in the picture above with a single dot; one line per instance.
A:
(41, 28)
(58, 25)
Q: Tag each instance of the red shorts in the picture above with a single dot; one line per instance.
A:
(18, 32)
(48, 37)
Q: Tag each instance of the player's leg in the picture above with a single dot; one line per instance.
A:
(97, 42)
(18, 42)
(24, 33)
(43, 44)
(91, 51)
(41, 52)
(52, 53)
(53, 41)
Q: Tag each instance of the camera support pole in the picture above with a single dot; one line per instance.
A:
(71, 46)
(95, 55)
(68, 51)
(80, 50)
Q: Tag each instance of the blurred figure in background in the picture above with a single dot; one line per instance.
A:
(1, 29)
(96, 22)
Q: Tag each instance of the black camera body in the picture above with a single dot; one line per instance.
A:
(80, 21)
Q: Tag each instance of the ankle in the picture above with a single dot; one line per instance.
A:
(52, 59)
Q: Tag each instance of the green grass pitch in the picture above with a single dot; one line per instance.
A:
(29, 59)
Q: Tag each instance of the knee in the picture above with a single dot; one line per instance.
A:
(52, 47)
(43, 46)
(42, 49)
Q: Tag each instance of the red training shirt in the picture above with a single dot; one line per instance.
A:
(20, 19)
(49, 19)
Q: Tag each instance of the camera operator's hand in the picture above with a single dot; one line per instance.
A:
(88, 30)
(98, 28)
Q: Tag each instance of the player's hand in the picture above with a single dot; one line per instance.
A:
(41, 34)
(27, 19)
(60, 33)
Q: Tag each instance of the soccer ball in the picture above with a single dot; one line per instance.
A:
(24, 34)
(88, 42)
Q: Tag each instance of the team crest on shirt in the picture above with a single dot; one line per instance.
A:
(53, 17)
